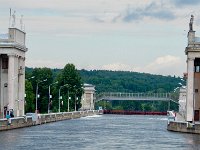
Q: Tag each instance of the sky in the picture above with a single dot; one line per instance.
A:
(129, 35)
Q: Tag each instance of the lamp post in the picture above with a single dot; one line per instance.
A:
(69, 98)
(50, 95)
(60, 96)
(75, 97)
(37, 94)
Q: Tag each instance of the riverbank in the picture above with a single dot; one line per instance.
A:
(38, 119)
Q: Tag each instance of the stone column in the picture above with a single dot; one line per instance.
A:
(21, 85)
(11, 85)
(91, 101)
(190, 90)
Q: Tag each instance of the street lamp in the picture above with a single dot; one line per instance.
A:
(37, 96)
(31, 78)
(75, 98)
(60, 96)
(69, 98)
(50, 96)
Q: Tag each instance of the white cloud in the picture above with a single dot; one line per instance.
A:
(66, 19)
(164, 65)
(117, 67)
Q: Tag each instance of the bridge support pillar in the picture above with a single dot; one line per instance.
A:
(168, 105)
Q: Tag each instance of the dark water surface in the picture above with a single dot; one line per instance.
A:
(108, 132)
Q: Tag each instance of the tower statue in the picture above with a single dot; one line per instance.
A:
(191, 23)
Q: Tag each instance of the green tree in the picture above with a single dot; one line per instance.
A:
(29, 99)
(42, 74)
(71, 81)
(104, 104)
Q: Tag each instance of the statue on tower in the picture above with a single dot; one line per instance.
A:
(191, 23)
(13, 19)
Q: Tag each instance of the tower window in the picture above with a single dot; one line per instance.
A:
(4, 63)
(197, 65)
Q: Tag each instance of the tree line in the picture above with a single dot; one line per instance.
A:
(103, 80)
(133, 82)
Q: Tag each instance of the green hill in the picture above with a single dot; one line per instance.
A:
(125, 81)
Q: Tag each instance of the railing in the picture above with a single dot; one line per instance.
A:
(11, 43)
(133, 96)
(3, 36)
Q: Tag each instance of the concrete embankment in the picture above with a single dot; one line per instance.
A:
(184, 127)
(180, 125)
(27, 121)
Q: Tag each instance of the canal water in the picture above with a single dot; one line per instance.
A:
(104, 132)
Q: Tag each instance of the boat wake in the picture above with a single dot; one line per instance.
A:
(94, 116)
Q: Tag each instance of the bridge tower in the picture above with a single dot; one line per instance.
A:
(87, 99)
(12, 72)
(193, 75)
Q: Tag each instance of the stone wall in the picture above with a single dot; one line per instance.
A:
(27, 121)
(183, 127)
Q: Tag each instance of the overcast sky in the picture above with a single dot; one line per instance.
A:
(134, 35)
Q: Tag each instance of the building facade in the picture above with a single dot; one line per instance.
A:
(88, 97)
(193, 75)
(12, 72)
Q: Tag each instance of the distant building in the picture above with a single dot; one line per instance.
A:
(12, 72)
(88, 97)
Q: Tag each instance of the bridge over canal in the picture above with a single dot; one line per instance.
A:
(112, 96)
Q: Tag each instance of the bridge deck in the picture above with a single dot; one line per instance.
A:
(134, 96)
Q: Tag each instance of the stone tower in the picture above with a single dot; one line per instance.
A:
(87, 99)
(193, 71)
(12, 72)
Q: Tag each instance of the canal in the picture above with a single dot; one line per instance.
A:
(108, 132)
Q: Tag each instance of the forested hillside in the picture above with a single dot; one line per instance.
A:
(125, 81)
(120, 81)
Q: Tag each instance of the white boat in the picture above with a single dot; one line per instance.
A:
(171, 116)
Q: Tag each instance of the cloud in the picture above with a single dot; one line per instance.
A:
(185, 2)
(152, 10)
(164, 65)
(117, 67)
